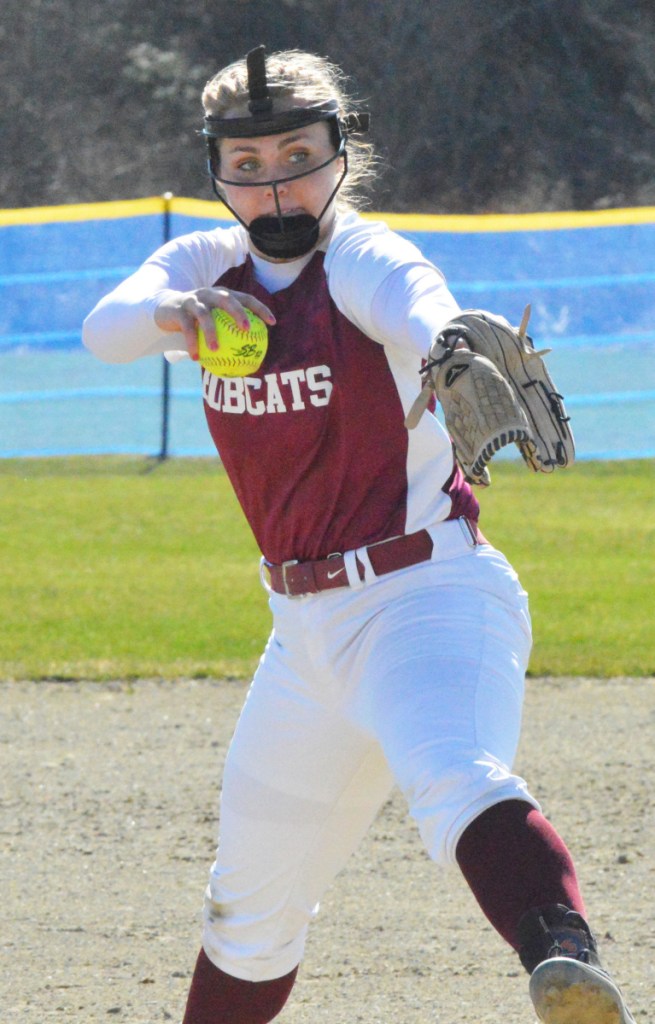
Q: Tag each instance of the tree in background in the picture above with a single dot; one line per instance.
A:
(477, 105)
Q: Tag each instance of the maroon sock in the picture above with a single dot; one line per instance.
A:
(514, 861)
(217, 998)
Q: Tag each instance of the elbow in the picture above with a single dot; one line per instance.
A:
(100, 342)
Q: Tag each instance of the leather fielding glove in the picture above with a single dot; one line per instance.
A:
(483, 415)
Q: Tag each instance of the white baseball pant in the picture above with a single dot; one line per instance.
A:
(414, 679)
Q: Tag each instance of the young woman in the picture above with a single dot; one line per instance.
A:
(400, 634)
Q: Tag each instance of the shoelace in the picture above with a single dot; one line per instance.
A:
(584, 955)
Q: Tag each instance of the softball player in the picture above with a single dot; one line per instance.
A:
(400, 634)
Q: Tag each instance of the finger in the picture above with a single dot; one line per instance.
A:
(189, 328)
(186, 318)
(235, 305)
(206, 323)
(191, 338)
(193, 315)
(259, 309)
(183, 314)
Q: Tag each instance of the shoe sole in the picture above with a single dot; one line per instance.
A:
(565, 991)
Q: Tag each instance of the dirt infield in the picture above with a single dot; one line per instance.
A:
(109, 806)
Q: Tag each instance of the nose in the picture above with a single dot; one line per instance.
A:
(277, 192)
(277, 187)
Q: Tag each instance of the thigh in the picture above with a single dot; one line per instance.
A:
(301, 787)
(443, 692)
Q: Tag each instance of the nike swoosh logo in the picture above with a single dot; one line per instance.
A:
(331, 575)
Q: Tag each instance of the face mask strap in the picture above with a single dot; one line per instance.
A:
(337, 186)
(278, 208)
(261, 101)
(262, 119)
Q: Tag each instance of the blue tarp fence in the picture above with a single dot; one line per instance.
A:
(589, 276)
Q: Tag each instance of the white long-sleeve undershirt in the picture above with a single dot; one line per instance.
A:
(380, 281)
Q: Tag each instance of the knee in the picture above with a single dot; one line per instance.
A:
(445, 806)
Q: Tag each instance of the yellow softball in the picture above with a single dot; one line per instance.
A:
(239, 353)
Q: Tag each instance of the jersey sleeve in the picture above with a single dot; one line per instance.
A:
(122, 328)
(384, 285)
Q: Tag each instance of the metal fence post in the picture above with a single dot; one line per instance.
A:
(166, 366)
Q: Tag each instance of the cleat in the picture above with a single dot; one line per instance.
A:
(568, 984)
(567, 991)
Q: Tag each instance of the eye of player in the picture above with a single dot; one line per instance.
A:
(249, 166)
(293, 155)
(252, 165)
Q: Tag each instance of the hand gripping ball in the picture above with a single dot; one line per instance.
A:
(239, 353)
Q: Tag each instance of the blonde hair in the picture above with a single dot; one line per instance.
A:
(309, 78)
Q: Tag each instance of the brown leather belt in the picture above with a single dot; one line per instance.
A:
(296, 579)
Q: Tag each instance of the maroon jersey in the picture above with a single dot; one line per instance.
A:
(316, 457)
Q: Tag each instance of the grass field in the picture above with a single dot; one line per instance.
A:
(128, 568)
